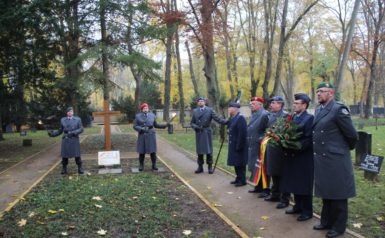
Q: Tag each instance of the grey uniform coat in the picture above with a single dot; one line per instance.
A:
(201, 123)
(255, 132)
(274, 154)
(70, 144)
(237, 150)
(333, 137)
(145, 125)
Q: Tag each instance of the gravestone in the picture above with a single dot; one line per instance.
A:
(363, 146)
(23, 133)
(371, 164)
(109, 162)
(27, 142)
(9, 128)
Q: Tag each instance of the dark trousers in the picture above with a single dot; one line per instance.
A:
(209, 159)
(334, 214)
(240, 172)
(275, 191)
(304, 203)
(64, 161)
(152, 155)
(259, 186)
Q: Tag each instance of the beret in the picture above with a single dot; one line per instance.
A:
(143, 105)
(234, 104)
(325, 85)
(258, 99)
(302, 96)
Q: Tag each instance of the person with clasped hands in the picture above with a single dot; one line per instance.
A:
(145, 124)
(72, 127)
(333, 137)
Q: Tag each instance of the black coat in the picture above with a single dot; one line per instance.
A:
(333, 137)
(274, 154)
(298, 166)
(237, 149)
(255, 132)
(145, 125)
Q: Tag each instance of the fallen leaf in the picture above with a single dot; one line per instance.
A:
(64, 233)
(70, 177)
(262, 228)
(186, 232)
(71, 227)
(31, 214)
(102, 232)
(22, 222)
(357, 225)
(98, 206)
(52, 211)
(154, 198)
(41, 222)
(177, 199)
(217, 205)
(264, 217)
(239, 197)
(61, 210)
(379, 218)
(97, 198)
(208, 187)
(134, 197)
(229, 192)
(88, 173)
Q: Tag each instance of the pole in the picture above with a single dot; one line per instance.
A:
(219, 152)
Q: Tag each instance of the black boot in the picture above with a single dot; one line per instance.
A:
(153, 160)
(199, 169)
(141, 162)
(210, 168)
(64, 163)
(79, 164)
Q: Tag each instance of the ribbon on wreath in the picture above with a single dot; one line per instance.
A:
(260, 170)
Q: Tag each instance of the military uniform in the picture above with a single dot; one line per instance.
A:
(237, 149)
(201, 123)
(145, 124)
(333, 137)
(70, 146)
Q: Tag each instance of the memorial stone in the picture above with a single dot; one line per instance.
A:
(364, 146)
(109, 162)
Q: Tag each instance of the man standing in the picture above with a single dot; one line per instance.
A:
(237, 150)
(274, 156)
(72, 127)
(333, 137)
(255, 133)
(201, 123)
(298, 166)
(144, 124)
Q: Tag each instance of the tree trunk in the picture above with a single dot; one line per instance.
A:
(348, 43)
(103, 31)
(372, 78)
(226, 39)
(167, 73)
(180, 79)
(191, 67)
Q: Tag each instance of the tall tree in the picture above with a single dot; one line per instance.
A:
(191, 68)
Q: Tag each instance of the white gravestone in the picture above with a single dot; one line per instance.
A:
(110, 160)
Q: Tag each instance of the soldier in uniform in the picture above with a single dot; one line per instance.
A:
(298, 167)
(255, 132)
(274, 156)
(237, 149)
(333, 169)
(144, 124)
(72, 127)
(201, 123)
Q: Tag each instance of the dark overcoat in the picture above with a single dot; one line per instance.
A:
(145, 124)
(201, 123)
(255, 132)
(333, 137)
(71, 129)
(298, 166)
(237, 149)
(274, 154)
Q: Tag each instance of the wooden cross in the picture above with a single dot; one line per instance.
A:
(106, 113)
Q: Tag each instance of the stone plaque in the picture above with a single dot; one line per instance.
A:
(109, 158)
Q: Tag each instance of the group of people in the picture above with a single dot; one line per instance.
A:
(323, 160)
(322, 164)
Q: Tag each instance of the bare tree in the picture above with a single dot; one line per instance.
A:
(191, 67)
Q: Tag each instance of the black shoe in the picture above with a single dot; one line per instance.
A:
(210, 169)
(272, 199)
(304, 217)
(293, 211)
(64, 171)
(321, 227)
(333, 233)
(154, 167)
(240, 184)
(255, 190)
(141, 167)
(234, 182)
(263, 195)
(282, 205)
(80, 171)
(199, 169)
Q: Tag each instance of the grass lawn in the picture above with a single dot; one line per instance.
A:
(12, 150)
(366, 210)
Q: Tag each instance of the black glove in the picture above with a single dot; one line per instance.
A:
(50, 133)
(144, 129)
(65, 131)
(71, 134)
